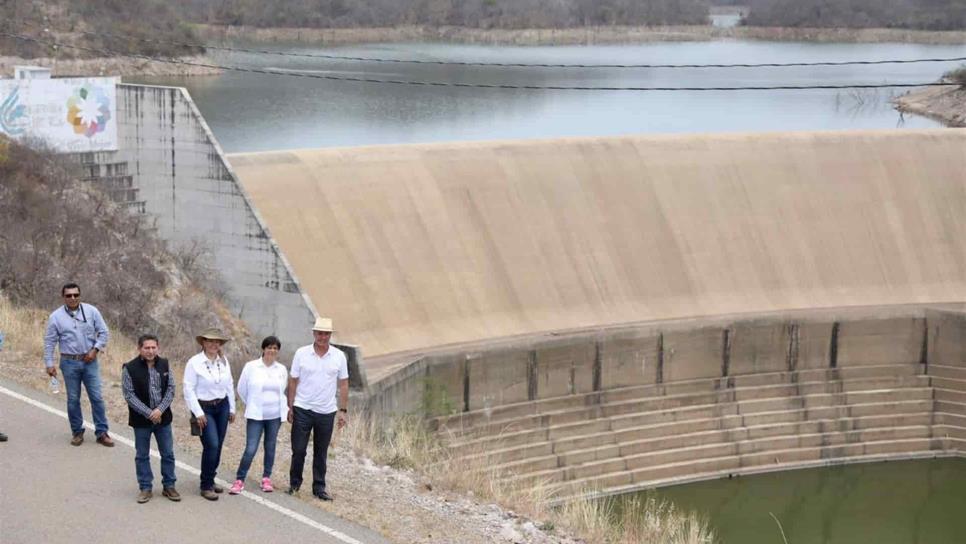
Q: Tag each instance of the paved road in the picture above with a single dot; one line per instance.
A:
(52, 492)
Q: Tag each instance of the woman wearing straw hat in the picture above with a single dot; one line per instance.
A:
(209, 391)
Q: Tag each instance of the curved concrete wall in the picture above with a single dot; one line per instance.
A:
(612, 411)
(410, 247)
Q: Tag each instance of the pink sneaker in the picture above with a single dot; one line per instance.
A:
(267, 485)
(236, 487)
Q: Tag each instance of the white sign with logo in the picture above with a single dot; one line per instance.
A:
(70, 114)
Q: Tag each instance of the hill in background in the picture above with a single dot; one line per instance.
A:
(148, 27)
(910, 14)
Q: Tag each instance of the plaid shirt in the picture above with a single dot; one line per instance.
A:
(159, 401)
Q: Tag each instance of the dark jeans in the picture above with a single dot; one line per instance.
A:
(77, 372)
(212, 439)
(142, 457)
(253, 434)
(305, 422)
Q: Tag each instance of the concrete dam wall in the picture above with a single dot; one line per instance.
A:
(608, 314)
(170, 168)
(418, 246)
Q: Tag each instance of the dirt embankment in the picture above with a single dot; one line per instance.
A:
(111, 66)
(944, 104)
(569, 36)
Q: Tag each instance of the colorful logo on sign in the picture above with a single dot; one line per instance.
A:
(88, 110)
(13, 115)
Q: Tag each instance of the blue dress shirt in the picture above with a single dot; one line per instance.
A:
(74, 333)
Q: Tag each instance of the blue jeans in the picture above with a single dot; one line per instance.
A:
(211, 440)
(142, 456)
(253, 434)
(75, 373)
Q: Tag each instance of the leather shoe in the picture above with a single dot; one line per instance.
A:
(77, 439)
(209, 494)
(217, 488)
(144, 496)
(171, 493)
(105, 440)
(323, 495)
(292, 490)
(3, 437)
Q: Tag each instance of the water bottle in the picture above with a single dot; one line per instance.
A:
(54, 385)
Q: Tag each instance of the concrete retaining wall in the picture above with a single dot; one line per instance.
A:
(947, 337)
(171, 168)
(528, 369)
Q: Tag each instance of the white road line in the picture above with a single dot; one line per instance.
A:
(334, 533)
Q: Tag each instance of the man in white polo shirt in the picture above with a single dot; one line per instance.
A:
(318, 371)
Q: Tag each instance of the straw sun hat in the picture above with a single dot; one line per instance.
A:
(323, 324)
(211, 333)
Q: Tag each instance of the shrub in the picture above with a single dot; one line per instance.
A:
(55, 228)
(957, 75)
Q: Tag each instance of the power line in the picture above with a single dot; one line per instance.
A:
(516, 64)
(111, 53)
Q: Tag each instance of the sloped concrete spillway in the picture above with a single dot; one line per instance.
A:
(411, 247)
(771, 300)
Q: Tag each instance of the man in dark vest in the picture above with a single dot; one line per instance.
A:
(149, 389)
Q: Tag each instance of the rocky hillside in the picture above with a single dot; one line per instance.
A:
(55, 228)
(99, 24)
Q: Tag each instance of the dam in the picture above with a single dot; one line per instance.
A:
(607, 314)
(598, 314)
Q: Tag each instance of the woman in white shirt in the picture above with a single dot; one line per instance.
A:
(209, 391)
(261, 387)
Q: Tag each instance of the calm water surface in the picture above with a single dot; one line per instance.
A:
(907, 502)
(251, 112)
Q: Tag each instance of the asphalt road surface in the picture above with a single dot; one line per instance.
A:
(52, 492)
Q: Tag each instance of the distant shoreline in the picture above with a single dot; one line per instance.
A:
(944, 104)
(110, 66)
(598, 35)
(604, 35)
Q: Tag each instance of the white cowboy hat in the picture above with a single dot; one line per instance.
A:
(323, 324)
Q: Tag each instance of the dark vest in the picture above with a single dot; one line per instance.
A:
(140, 379)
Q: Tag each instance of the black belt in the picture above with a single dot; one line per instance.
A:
(215, 402)
(73, 355)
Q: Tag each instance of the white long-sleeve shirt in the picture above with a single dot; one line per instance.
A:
(259, 384)
(205, 379)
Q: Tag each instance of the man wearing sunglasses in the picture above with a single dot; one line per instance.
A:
(79, 331)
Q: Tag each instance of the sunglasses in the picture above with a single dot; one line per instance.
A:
(72, 295)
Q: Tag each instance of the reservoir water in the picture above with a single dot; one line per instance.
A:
(904, 502)
(253, 112)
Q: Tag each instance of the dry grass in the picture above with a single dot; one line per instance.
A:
(957, 75)
(405, 442)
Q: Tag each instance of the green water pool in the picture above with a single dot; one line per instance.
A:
(901, 502)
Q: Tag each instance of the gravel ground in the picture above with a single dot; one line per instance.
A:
(403, 506)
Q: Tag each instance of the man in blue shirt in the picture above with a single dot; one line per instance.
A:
(79, 331)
